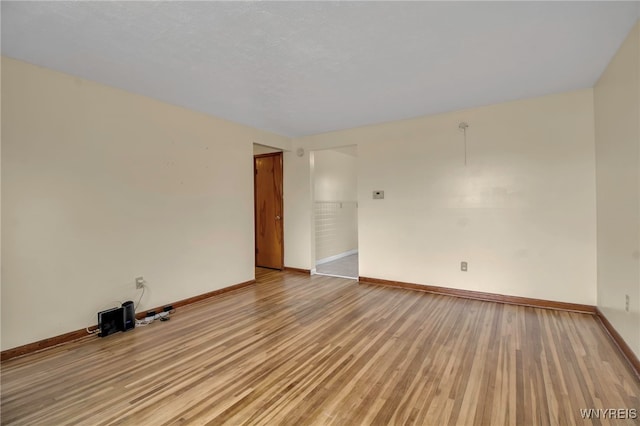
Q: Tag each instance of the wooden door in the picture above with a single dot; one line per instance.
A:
(268, 210)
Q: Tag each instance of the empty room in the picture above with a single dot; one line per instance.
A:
(310, 213)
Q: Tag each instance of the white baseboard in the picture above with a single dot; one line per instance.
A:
(336, 257)
(338, 276)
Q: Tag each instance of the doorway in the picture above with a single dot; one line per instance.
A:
(335, 212)
(268, 208)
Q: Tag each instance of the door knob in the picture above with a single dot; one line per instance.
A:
(277, 217)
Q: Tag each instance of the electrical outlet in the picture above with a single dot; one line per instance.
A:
(139, 282)
(626, 302)
(463, 266)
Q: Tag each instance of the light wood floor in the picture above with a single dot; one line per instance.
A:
(302, 350)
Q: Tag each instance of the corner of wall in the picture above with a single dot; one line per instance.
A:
(617, 139)
(297, 209)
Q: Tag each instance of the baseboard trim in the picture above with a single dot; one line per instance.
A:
(629, 355)
(336, 257)
(297, 270)
(82, 333)
(44, 344)
(198, 298)
(489, 297)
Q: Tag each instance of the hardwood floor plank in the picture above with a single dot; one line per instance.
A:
(296, 349)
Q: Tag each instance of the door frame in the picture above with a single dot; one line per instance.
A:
(280, 202)
(312, 180)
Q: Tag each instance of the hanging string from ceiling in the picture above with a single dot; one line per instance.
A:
(463, 126)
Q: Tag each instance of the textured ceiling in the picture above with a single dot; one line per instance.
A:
(299, 68)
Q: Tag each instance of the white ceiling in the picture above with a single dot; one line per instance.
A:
(300, 68)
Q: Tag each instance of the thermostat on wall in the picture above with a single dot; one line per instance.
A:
(378, 195)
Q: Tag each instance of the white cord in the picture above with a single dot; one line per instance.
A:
(463, 126)
(465, 146)
(149, 320)
(146, 321)
(135, 308)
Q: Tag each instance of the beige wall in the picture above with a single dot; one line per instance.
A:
(617, 135)
(335, 176)
(335, 195)
(261, 149)
(100, 186)
(522, 212)
(299, 248)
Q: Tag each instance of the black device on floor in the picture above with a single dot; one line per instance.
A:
(110, 321)
(129, 315)
(117, 319)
